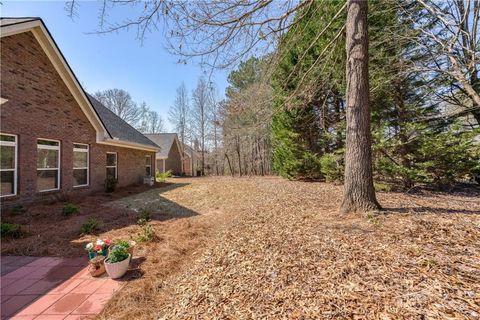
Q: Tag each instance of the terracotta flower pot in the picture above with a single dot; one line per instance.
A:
(132, 247)
(97, 266)
(118, 269)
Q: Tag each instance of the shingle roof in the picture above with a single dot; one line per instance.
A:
(164, 141)
(117, 127)
(6, 21)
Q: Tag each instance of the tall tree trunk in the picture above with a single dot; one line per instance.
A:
(229, 165)
(359, 193)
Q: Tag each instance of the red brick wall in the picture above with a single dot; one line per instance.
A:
(41, 106)
(174, 160)
(187, 166)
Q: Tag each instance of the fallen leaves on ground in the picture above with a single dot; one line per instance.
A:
(279, 249)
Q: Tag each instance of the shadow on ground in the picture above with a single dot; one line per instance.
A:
(48, 232)
(431, 210)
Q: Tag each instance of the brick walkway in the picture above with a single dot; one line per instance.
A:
(51, 288)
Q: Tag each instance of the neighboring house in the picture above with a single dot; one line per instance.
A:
(170, 155)
(191, 161)
(55, 138)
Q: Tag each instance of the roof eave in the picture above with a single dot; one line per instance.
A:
(128, 144)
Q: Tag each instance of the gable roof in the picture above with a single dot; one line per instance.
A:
(117, 127)
(103, 122)
(165, 142)
(189, 151)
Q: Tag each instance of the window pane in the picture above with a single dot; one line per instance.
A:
(47, 179)
(7, 157)
(79, 177)
(80, 159)
(111, 159)
(147, 161)
(48, 142)
(6, 182)
(7, 138)
(80, 146)
(47, 158)
(148, 171)
(110, 173)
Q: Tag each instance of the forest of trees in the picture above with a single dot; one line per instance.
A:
(290, 119)
(138, 115)
(351, 91)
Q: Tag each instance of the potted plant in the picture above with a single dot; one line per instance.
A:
(117, 262)
(127, 244)
(99, 248)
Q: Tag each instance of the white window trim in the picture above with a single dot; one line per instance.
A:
(149, 165)
(83, 168)
(15, 169)
(115, 166)
(42, 146)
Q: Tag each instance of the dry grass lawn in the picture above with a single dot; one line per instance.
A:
(267, 248)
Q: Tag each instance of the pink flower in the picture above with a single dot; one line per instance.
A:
(107, 242)
(98, 248)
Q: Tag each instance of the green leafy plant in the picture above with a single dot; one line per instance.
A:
(163, 176)
(18, 209)
(11, 230)
(70, 209)
(332, 166)
(117, 253)
(382, 187)
(110, 184)
(146, 234)
(143, 216)
(89, 226)
(123, 243)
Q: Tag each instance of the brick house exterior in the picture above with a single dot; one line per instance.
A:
(170, 155)
(41, 99)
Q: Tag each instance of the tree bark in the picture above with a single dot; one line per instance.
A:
(359, 193)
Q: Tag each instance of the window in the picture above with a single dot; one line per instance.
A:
(80, 164)
(148, 166)
(48, 165)
(111, 165)
(8, 165)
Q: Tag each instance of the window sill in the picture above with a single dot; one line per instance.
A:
(84, 186)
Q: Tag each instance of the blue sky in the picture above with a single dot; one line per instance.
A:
(115, 60)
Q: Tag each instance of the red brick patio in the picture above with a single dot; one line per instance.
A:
(52, 288)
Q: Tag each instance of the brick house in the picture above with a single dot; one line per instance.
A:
(191, 161)
(170, 155)
(55, 138)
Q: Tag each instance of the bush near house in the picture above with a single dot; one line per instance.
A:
(89, 226)
(18, 209)
(70, 209)
(11, 230)
(163, 176)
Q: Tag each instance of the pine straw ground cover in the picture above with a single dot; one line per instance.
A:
(280, 250)
(274, 249)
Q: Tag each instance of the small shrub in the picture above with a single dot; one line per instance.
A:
(110, 184)
(89, 226)
(163, 176)
(144, 214)
(11, 230)
(141, 222)
(117, 253)
(123, 243)
(146, 234)
(18, 209)
(332, 167)
(70, 209)
(382, 187)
